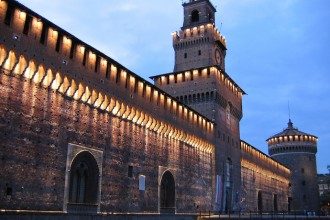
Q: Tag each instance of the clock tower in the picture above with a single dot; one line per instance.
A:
(200, 81)
(198, 43)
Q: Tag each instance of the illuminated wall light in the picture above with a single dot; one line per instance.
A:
(92, 56)
(147, 122)
(99, 101)
(10, 62)
(105, 103)
(36, 23)
(136, 117)
(144, 120)
(53, 33)
(126, 112)
(39, 75)
(116, 108)
(64, 86)
(153, 124)
(157, 126)
(56, 82)
(160, 127)
(30, 70)
(79, 93)
(47, 79)
(132, 114)
(122, 110)
(3, 54)
(93, 97)
(67, 41)
(20, 66)
(21, 15)
(72, 89)
(86, 95)
(141, 118)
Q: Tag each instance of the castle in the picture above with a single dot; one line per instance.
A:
(80, 133)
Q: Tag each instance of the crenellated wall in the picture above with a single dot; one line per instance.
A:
(91, 76)
(57, 91)
(265, 182)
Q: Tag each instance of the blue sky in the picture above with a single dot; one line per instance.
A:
(278, 51)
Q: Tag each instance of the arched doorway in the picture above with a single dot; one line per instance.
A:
(260, 202)
(84, 180)
(167, 193)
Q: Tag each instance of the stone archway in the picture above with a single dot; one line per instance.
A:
(84, 180)
(167, 193)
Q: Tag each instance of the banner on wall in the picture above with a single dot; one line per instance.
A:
(218, 190)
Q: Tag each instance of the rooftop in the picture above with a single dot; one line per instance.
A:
(290, 131)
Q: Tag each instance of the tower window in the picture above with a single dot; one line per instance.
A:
(302, 170)
(9, 191)
(303, 182)
(199, 52)
(185, 55)
(194, 16)
(130, 171)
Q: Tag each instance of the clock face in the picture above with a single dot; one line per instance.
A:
(217, 56)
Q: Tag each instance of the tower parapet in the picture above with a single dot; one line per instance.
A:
(205, 33)
(292, 140)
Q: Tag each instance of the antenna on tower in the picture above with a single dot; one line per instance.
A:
(289, 110)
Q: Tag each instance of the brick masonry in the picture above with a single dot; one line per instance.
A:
(43, 128)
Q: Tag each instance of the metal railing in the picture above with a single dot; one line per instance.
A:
(262, 215)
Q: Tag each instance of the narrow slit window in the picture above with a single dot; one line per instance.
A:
(130, 171)
(44, 34)
(85, 57)
(58, 42)
(27, 25)
(97, 64)
(72, 49)
(9, 15)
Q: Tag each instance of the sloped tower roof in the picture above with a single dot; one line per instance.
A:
(290, 131)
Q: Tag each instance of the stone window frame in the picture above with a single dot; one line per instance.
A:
(73, 151)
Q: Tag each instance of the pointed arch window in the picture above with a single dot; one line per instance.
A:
(84, 180)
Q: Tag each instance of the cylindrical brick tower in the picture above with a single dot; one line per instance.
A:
(296, 150)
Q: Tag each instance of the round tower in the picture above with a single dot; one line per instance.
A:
(297, 150)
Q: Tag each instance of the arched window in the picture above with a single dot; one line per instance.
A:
(203, 97)
(195, 16)
(167, 193)
(84, 179)
(207, 96)
(189, 99)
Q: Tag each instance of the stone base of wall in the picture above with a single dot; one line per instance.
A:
(66, 216)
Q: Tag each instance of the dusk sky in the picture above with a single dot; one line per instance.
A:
(278, 51)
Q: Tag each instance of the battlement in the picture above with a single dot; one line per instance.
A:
(65, 64)
(266, 162)
(308, 139)
(195, 74)
(207, 32)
